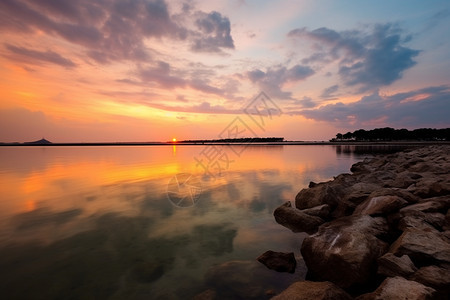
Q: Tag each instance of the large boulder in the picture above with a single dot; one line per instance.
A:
(390, 265)
(296, 220)
(310, 290)
(322, 193)
(422, 246)
(345, 250)
(400, 288)
(278, 261)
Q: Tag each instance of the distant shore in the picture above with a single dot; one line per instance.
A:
(287, 143)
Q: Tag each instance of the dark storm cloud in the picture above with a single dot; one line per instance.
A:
(34, 56)
(114, 30)
(274, 78)
(367, 60)
(415, 108)
(214, 33)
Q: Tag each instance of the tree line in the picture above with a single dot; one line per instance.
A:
(391, 134)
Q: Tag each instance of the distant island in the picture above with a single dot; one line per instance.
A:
(391, 134)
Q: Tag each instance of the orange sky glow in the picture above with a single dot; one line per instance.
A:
(154, 70)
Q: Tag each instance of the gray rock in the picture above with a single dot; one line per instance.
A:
(310, 290)
(321, 211)
(345, 250)
(295, 219)
(400, 288)
(380, 205)
(390, 265)
(422, 246)
(278, 261)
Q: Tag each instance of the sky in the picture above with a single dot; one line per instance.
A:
(153, 70)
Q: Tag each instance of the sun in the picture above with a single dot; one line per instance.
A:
(174, 140)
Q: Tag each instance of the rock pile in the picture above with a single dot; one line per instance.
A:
(382, 232)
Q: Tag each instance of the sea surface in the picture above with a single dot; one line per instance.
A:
(152, 222)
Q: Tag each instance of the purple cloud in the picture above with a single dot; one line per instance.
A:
(422, 107)
(34, 56)
(367, 60)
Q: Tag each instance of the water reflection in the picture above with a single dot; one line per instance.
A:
(368, 149)
(95, 222)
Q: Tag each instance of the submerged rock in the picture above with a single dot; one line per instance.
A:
(295, 219)
(310, 290)
(345, 250)
(278, 261)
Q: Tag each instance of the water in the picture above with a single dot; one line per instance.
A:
(97, 222)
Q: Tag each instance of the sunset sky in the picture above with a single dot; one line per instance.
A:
(153, 70)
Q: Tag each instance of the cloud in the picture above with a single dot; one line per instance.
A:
(214, 33)
(115, 30)
(423, 107)
(274, 78)
(367, 60)
(329, 92)
(34, 56)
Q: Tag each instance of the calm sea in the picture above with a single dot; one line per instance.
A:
(151, 222)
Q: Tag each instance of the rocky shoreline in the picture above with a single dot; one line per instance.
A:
(382, 232)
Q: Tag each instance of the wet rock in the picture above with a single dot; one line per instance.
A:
(295, 219)
(436, 277)
(309, 290)
(344, 251)
(422, 246)
(401, 289)
(278, 261)
(390, 265)
(380, 205)
(321, 211)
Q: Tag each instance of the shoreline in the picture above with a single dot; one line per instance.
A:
(287, 143)
(381, 232)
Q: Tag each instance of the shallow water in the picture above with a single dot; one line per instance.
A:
(117, 222)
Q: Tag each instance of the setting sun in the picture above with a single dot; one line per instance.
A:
(174, 140)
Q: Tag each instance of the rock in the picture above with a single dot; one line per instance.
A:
(434, 276)
(322, 193)
(390, 265)
(422, 246)
(405, 195)
(309, 290)
(380, 205)
(344, 251)
(278, 261)
(439, 204)
(416, 221)
(296, 220)
(321, 211)
(400, 288)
